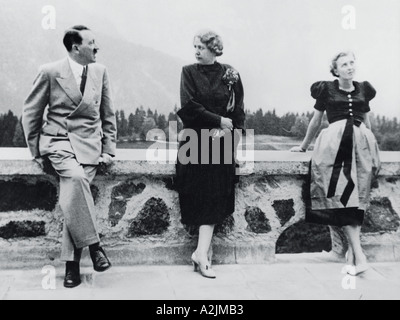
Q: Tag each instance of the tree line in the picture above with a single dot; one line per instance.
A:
(136, 125)
(386, 130)
(11, 131)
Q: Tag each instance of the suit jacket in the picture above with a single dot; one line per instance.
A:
(85, 126)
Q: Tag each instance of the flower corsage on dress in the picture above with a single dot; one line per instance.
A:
(230, 77)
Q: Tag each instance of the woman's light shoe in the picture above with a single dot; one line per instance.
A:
(357, 270)
(362, 268)
(205, 271)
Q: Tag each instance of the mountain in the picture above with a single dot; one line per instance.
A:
(139, 75)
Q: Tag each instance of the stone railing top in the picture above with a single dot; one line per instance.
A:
(17, 161)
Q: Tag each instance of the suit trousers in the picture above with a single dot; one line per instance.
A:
(77, 204)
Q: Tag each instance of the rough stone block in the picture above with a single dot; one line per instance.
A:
(95, 193)
(222, 229)
(19, 195)
(255, 253)
(117, 211)
(339, 241)
(224, 254)
(258, 222)
(379, 252)
(381, 217)
(304, 237)
(170, 183)
(120, 196)
(284, 210)
(392, 180)
(266, 183)
(145, 254)
(15, 256)
(226, 227)
(191, 230)
(23, 229)
(153, 219)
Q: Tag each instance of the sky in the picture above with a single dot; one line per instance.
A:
(280, 47)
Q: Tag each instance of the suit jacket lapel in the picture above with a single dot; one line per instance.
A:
(90, 88)
(90, 91)
(68, 83)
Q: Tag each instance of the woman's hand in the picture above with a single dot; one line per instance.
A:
(226, 123)
(106, 159)
(297, 149)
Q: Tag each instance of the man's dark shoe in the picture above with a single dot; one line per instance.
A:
(100, 260)
(72, 275)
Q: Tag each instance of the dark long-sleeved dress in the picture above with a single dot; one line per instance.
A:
(345, 157)
(207, 187)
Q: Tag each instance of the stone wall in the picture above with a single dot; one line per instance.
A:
(139, 221)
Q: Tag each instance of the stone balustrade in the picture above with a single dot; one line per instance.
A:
(138, 211)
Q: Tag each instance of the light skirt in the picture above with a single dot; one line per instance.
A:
(365, 163)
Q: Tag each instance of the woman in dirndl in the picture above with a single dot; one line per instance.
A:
(345, 158)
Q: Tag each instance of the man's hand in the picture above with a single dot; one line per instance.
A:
(40, 161)
(106, 159)
(298, 149)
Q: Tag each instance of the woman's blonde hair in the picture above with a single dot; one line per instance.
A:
(212, 40)
(333, 66)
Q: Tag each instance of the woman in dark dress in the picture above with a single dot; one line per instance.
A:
(345, 158)
(211, 109)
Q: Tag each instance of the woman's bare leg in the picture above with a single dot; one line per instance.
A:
(353, 234)
(206, 233)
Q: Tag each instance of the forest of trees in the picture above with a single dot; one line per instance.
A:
(135, 126)
(386, 130)
(11, 132)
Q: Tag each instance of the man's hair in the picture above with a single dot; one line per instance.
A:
(72, 36)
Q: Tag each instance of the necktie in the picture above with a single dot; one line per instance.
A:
(83, 82)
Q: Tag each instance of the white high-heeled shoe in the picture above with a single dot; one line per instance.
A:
(205, 270)
(357, 270)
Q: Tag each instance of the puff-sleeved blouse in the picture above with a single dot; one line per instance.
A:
(339, 104)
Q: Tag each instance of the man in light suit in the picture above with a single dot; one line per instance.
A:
(78, 133)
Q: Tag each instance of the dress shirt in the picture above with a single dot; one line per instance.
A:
(77, 70)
